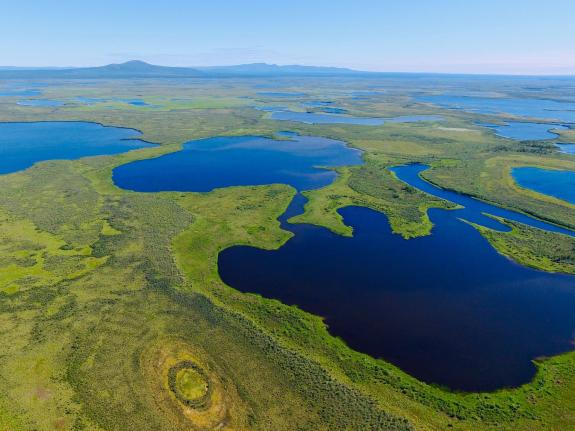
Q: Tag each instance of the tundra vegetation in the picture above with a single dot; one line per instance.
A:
(112, 312)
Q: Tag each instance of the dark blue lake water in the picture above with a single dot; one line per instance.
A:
(446, 308)
(43, 103)
(560, 184)
(535, 108)
(211, 163)
(525, 131)
(23, 144)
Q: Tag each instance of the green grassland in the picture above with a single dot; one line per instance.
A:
(375, 187)
(547, 251)
(104, 291)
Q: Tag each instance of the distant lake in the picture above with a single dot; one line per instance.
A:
(41, 103)
(324, 106)
(332, 110)
(20, 93)
(89, 100)
(536, 108)
(277, 94)
(566, 148)
(23, 144)
(414, 118)
(466, 317)
(206, 164)
(525, 131)
(317, 103)
(560, 184)
(366, 94)
(319, 118)
(134, 102)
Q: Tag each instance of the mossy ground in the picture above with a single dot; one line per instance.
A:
(191, 383)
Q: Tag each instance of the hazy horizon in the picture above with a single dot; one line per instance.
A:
(202, 67)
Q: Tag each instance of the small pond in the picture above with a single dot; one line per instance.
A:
(134, 102)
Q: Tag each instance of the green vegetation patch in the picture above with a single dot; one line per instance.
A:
(190, 384)
(536, 248)
(376, 187)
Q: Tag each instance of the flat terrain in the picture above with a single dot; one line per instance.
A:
(112, 312)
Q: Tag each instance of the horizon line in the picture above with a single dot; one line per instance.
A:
(16, 68)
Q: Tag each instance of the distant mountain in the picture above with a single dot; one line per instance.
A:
(129, 69)
(141, 69)
(261, 69)
(136, 68)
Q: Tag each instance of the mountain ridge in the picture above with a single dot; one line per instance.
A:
(141, 69)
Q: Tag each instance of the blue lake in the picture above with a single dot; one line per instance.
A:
(23, 144)
(280, 95)
(332, 110)
(134, 102)
(476, 318)
(206, 164)
(525, 131)
(41, 103)
(414, 118)
(317, 103)
(89, 100)
(20, 93)
(474, 209)
(560, 184)
(566, 148)
(324, 106)
(535, 108)
(318, 118)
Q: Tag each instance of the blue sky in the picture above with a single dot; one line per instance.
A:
(478, 36)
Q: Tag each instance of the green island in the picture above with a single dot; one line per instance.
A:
(113, 314)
